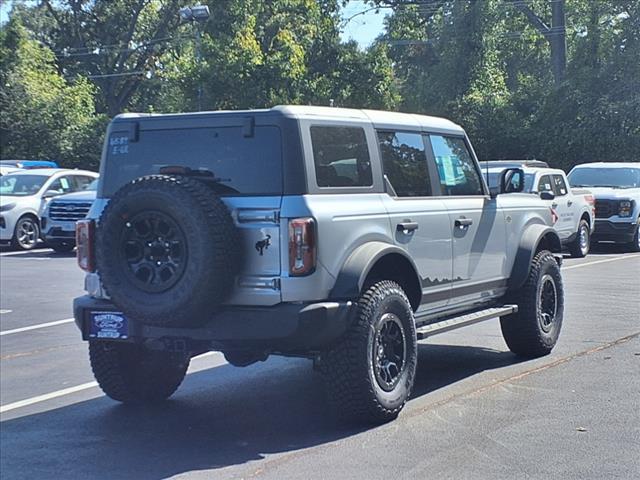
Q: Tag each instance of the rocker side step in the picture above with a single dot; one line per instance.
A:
(453, 323)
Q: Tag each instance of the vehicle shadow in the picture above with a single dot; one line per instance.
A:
(39, 254)
(223, 417)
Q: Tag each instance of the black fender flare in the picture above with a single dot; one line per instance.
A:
(531, 239)
(356, 268)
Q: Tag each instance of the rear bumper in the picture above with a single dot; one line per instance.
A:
(286, 327)
(620, 232)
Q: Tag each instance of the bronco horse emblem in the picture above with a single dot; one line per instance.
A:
(263, 245)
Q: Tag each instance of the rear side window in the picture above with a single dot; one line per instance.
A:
(341, 157)
(242, 165)
(405, 163)
(456, 168)
(559, 186)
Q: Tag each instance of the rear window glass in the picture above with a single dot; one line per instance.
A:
(341, 157)
(241, 165)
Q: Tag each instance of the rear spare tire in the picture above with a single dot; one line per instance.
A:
(167, 250)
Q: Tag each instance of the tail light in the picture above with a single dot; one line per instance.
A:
(302, 246)
(85, 236)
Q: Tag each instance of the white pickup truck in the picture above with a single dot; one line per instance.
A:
(574, 207)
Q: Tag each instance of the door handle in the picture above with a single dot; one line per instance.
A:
(569, 203)
(463, 222)
(554, 205)
(407, 226)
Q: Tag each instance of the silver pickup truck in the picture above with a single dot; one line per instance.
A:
(342, 236)
(574, 208)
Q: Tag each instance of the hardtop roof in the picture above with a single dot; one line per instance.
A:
(379, 118)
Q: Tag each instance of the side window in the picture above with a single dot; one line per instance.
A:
(341, 157)
(81, 182)
(62, 185)
(456, 168)
(559, 186)
(544, 185)
(405, 163)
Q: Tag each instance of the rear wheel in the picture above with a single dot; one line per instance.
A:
(130, 373)
(369, 374)
(580, 246)
(63, 247)
(534, 329)
(26, 234)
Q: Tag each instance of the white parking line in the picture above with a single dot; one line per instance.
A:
(47, 396)
(35, 327)
(22, 252)
(78, 388)
(600, 261)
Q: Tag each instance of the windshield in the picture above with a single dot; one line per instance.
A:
(605, 177)
(21, 185)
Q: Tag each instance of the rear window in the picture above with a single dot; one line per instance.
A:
(341, 157)
(242, 165)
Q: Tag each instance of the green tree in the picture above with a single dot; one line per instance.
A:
(43, 115)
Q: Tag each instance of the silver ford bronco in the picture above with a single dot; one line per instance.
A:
(344, 236)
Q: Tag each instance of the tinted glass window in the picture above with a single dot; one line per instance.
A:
(605, 177)
(559, 186)
(21, 185)
(494, 180)
(545, 184)
(82, 182)
(62, 185)
(456, 168)
(341, 157)
(240, 164)
(405, 163)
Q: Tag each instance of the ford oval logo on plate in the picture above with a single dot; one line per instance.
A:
(108, 325)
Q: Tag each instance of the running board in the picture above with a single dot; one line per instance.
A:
(464, 320)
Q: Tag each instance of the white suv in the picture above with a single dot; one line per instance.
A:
(24, 196)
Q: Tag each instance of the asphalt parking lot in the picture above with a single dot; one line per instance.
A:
(477, 411)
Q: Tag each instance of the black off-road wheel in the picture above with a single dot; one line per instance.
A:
(167, 250)
(369, 374)
(130, 373)
(534, 329)
(580, 246)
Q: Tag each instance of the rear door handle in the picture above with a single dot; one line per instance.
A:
(463, 222)
(407, 226)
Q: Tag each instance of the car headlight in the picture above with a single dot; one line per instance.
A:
(625, 207)
(7, 207)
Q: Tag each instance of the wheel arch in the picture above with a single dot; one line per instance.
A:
(535, 238)
(378, 260)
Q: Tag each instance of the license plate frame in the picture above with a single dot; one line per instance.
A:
(104, 325)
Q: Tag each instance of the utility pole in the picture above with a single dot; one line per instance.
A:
(556, 35)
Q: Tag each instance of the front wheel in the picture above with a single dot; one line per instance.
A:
(370, 372)
(534, 329)
(580, 246)
(26, 234)
(634, 246)
(131, 373)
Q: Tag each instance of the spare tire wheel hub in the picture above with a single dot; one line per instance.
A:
(155, 251)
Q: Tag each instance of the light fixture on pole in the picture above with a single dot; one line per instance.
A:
(196, 14)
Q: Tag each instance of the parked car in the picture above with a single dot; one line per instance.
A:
(512, 163)
(59, 219)
(343, 236)
(28, 164)
(574, 207)
(616, 187)
(24, 196)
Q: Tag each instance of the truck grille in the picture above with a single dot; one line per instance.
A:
(69, 211)
(606, 208)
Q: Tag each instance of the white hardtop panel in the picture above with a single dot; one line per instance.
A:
(379, 118)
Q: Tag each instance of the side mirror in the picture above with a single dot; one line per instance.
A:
(512, 180)
(51, 194)
(547, 195)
